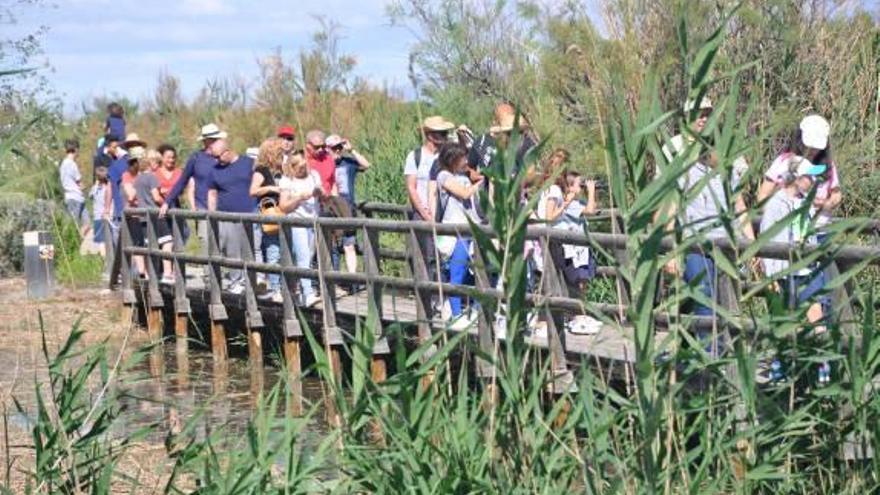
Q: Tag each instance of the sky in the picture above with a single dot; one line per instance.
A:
(118, 47)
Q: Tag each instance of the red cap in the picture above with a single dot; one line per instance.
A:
(286, 130)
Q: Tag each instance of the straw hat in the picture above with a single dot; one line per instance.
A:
(505, 124)
(437, 123)
(211, 131)
(132, 140)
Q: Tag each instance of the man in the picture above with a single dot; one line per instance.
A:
(321, 161)
(485, 147)
(418, 165)
(703, 186)
(198, 171)
(349, 162)
(71, 183)
(117, 165)
(229, 191)
(288, 134)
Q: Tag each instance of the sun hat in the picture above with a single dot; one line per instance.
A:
(505, 124)
(814, 132)
(136, 153)
(286, 130)
(132, 140)
(437, 123)
(211, 131)
(333, 140)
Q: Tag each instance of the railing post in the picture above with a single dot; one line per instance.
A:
(156, 302)
(122, 268)
(216, 310)
(253, 317)
(332, 335)
(374, 290)
(486, 317)
(622, 258)
(554, 285)
(182, 307)
(293, 334)
(424, 306)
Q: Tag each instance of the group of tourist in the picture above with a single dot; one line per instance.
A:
(445, 180)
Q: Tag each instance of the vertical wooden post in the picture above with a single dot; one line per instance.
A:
(294, 374)
(255, 360)
(292, 330)
(424, 308)
(485, 333)
(181, 301)
(374, 291)
(252, 312)
(332, 335)
(216, 310)
(554, 285)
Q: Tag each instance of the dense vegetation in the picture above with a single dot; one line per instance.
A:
(688, 423)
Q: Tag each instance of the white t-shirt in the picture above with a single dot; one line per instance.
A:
(422, 171)
(788, 161)
(97, 194)
(677, 145)
(779, 206)
(553, 192)
(310, 207)
(70, 178)
(455, 210)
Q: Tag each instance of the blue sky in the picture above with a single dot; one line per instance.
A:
(106, 47)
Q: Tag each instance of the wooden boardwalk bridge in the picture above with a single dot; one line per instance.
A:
(408, 299)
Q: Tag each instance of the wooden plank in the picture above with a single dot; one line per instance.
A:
(218, 341)
(181, 337)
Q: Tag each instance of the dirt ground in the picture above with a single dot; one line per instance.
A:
(99, 312)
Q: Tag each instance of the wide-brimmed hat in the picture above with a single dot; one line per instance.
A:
(505, 124)
(815, 131)
(136, 153)
(132, 140)
(211, 131)
(437, 123)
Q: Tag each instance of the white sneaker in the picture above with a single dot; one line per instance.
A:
(311, 301)
(584, 325)
(462, 322)
(236, 288)
(167, 280)
(539, 330)
(277, 297)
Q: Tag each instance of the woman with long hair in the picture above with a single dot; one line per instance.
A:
(301, 192)
(265, 188)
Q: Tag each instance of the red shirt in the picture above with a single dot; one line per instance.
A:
(326, 168)
(166, 183)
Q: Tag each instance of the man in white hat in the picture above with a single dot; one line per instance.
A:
(196, 178)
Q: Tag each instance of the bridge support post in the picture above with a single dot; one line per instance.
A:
(292, 330)
(216, 310)
(181, 301)
(424, 307)
(293, 361)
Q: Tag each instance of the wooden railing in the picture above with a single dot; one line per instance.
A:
(551, 300)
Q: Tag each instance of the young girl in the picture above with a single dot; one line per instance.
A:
(456, 203)
(802, 286)
(577, 262)
(100, 195)
(300, 198)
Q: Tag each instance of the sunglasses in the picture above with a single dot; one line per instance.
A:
(288, 138)
(318, 146)
(338, 147)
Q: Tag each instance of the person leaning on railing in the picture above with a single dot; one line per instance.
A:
(301, 194)
(455, 206)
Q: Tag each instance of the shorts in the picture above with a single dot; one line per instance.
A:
(98, 231)
(136, 231)
(163, 231)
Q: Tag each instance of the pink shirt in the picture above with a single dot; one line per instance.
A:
(326, 168)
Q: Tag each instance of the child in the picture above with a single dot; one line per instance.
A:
(578, 264)
(100, 195)
(115, 123)
(801, 286)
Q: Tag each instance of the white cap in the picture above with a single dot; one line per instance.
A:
(252, 152)
(814, 132)
(333, 140)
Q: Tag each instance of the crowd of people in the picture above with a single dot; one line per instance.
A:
(445, 178)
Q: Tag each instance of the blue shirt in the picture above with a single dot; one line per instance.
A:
(116, 126)
(118, 166)
(200, 166)
(347, 169)
(233, 185)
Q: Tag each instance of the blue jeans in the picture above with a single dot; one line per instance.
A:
(302, 240)
(271, 251)
(458, 271)
(701, 269)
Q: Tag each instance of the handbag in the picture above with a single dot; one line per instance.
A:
(269, 206)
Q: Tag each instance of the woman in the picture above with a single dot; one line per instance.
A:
(147, 187)
(811, 142)
(265, 188)
(300, 195)
(456, 206)
(136, 162)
